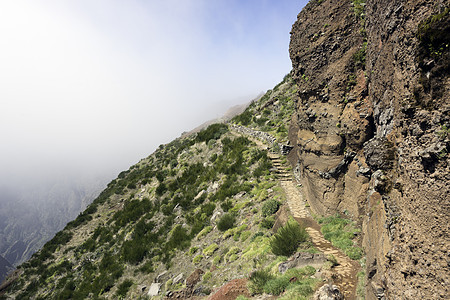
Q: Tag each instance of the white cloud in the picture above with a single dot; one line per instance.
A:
(102, 83)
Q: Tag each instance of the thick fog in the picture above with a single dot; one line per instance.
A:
(87, 88)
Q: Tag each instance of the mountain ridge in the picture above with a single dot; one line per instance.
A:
(364, 116)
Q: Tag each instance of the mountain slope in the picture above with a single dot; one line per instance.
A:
(31, 215)
(192, 207)
(197, 214)
(363, 118)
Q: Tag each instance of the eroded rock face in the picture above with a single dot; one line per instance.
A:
(387, 102)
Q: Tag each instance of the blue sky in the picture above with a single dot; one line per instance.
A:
(93, 86)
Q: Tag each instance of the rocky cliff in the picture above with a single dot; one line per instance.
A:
(371, 133)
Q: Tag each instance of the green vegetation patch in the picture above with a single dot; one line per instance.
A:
(264, 281)
(161, 209)
(433, 34)
(123, 288)
(341, 232)
(287, 239)
(208, 251)
(270, 207)
(226, 222)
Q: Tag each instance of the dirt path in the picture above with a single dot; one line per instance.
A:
(343, 275)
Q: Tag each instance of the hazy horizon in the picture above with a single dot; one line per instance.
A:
(91, 87)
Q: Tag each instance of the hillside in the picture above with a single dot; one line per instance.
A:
(334, 183)
(31, 214)
(160, 219)
(198, 213)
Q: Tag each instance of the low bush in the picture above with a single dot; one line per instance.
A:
(226, 222)
(179, 238)
(213, 131)
(270, 207)
(268, 222)
(123, 288)
(197, 259)
(257, 281)
(204, 232)
(245, 235)
(288, 238)
(207, 276)
(192, 250)
(298, 292)
(208, 251)
(259, 233)
(276, 286)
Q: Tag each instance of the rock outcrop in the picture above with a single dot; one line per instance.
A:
(370, 133)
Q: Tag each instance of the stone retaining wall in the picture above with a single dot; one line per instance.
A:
(262, 136)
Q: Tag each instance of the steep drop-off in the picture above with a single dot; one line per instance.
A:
(371, 133)
(367, 106)
(5, 268)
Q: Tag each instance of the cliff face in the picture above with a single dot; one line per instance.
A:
(371, 133)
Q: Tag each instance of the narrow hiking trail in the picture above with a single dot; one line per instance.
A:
(344, 274)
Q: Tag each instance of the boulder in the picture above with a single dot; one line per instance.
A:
(301, 259)
(194, 277)
(328, 292)
(154, 289)
(178, 278)
(160, 277)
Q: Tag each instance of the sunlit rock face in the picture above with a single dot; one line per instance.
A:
(373, 84)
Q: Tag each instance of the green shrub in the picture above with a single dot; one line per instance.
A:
(245, 235)
(179, 238)
(259, 233)
(354, 253)
(197, 259)
(161, 189)
(213, 131)
(276, 286)
(232, 253)
(133, 251)
(270, 207)
(288, 238)
(208, 251)
(226, 205)
(226, 222)
(268, 222)
(123, 288)
(147, 267)
(298, 291)
(168, 284)
(207, 276)
(204, 232)
(257, 281)
(208, 208)
(217, 260)
(131, 186)
(192, 250)
(244, 118)
(332, 259)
